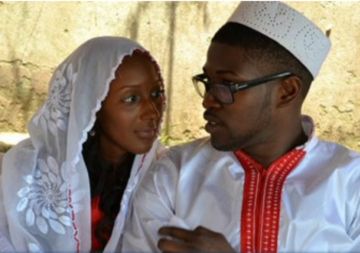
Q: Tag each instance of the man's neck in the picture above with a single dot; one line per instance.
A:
(268, 152)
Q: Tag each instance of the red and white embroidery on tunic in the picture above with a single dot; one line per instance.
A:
(261, 200)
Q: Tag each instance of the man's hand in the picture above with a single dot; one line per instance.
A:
(198, 240)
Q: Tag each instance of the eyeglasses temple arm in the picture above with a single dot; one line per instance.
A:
(240, 86)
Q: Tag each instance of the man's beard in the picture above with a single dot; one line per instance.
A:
(241, 141)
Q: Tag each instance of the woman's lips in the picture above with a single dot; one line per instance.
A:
(148, 133)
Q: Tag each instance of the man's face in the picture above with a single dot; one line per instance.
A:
(247, 121)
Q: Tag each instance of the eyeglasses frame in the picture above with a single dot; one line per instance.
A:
(236, 87)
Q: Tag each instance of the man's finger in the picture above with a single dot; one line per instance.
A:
(177, 233)
(167, 245)
(205, 231)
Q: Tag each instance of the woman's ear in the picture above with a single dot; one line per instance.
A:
(289, 91)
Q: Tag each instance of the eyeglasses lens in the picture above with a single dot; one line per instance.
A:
(221, 93)
(200, 87)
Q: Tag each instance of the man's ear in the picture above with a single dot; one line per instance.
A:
(289, 91)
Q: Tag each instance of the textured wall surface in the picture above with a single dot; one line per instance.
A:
(36, 36)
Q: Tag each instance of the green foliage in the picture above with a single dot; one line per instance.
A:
(4, 147)
(165, 137)
(169, 140)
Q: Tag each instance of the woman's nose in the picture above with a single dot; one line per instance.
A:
(152, 109)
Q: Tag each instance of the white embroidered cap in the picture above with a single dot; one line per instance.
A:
(289, 28)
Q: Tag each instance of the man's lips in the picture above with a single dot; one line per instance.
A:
(209, 117)
(213, 122)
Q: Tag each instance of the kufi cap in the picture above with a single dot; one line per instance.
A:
(289, 28)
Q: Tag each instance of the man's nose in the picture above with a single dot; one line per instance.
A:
(209, 101)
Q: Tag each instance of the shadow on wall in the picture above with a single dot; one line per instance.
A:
(133, 21)
(170, 65)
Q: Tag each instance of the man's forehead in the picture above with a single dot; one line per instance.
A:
(229, 54)
(223, 51)
(227, 59)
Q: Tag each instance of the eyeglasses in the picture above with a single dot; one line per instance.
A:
(224, 92)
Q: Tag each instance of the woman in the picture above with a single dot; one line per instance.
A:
(68, 187)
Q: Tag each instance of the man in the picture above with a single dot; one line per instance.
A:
(262, 182)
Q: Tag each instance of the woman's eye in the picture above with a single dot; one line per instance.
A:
(157, 93)
(130, 99)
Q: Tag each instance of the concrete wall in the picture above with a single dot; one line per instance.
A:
(36, 36)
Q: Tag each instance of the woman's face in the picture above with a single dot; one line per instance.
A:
(130, 114)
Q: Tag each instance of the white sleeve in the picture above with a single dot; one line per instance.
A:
(152, 207)
(354, 230)
(5, 244)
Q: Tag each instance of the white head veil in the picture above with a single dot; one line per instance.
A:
(45, 182)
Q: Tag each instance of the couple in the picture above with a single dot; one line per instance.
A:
(262, 182)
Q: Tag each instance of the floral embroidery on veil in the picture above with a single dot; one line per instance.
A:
(45, 198)
(34, 248)
(54, 113)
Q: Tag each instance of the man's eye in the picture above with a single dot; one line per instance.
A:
(130, 99)
(157, 93)
(228, 83)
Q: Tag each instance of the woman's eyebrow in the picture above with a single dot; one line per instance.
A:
(128, 87)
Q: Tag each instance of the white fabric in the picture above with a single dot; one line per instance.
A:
(289, 28)
(45, 184)
(197, 185)
(1, 158)
(5, 245)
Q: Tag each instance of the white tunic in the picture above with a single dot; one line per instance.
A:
(197, 185)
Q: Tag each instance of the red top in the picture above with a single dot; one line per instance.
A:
(96, 217)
